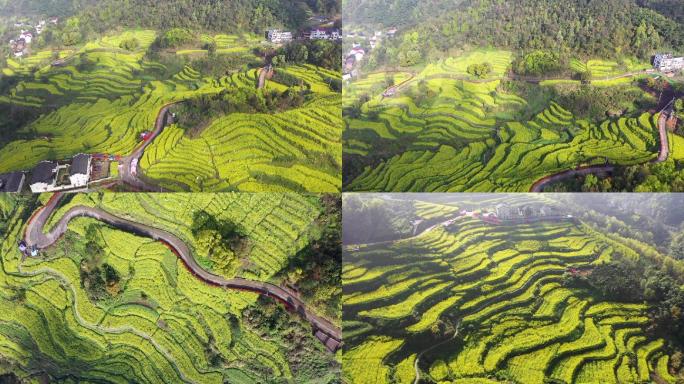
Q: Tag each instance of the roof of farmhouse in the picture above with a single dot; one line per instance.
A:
(43, 172)
(10, 182)
(79, 164)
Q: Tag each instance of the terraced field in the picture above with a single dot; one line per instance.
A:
(159, 323)
(474, 302)
(467, 136)
(104, 97)
(602, 68)
(225, 44)
(295, 150)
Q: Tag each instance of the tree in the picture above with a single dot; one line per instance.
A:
(591, 183)
(679, 108)
(585, 76)
(130, 44)
(176, 37)
(211, 48)
(676, 247)
(538, 63)
(71, 35)
(279, 60)
(480, 70)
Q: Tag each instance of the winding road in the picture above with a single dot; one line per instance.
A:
(663, 154)
(129, 165)
(35, 236)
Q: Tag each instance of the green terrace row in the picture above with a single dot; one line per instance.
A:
(503, 286)
(519, 155)
(166, 325)
(275, 223)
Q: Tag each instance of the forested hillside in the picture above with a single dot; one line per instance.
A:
(399, 13)
(608, 28)
(227, 16)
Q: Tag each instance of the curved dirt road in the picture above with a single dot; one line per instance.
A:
(129, 166)
(34, 236)
(539, 185)
(663, 154)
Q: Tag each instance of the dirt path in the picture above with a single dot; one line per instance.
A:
(415, 364)
(262, 78)
(34, 236)
(539, 185)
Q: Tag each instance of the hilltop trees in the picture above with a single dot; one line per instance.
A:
(609, 28)
(71, 34)
(175, 37)
(538, 63)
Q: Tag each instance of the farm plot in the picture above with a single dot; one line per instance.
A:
(275, 223)
(517, 154)
(502, 288)
(295, 150)
(445, 131)
(100, 104)
(158, 323)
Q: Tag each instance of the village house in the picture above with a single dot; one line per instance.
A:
(504, 212)
(79, 172)
(40, 26)
(43, 177)
(665, 62)
(12, 182)
(373, 42)
(358, 53)
(53, 20)
(277, 36)
(324, 34)
(27, 36)
(349, 63)
(18, 47)
(391, 32)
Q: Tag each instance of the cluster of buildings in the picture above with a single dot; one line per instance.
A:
(277, 36)
(357, 53)
(21, 43)
(50, 176)
(667, 63)
(506, 212)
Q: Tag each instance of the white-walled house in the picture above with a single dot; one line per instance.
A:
(79, 172)
(43, 177)
(27, 36)
(666, 62)
(277, 36)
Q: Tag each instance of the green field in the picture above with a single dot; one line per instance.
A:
(296, 150)
(444, 131)
(104, 97)
(159, 323)
(501, 290)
